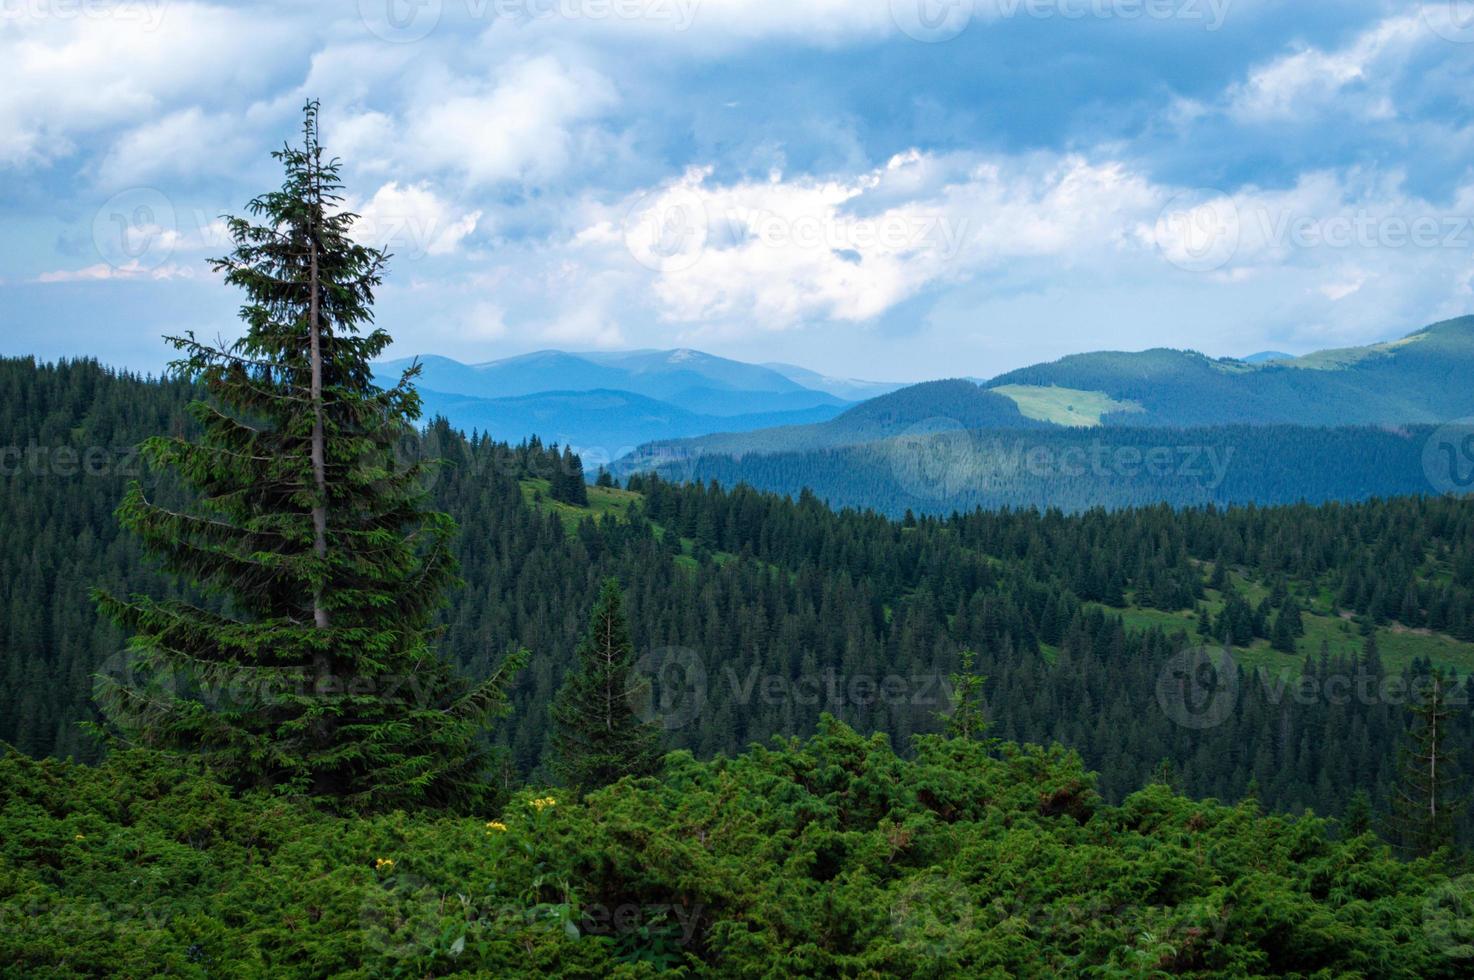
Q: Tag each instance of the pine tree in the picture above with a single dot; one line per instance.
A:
(967, 719)
(566, 484)
(597, 739)
(1426, 798)
(1358, 817)
(313, 670)
(1287, 625)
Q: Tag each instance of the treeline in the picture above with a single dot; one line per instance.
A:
(1075, 470)
(791, 609)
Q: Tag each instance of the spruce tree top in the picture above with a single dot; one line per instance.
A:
(306, 664)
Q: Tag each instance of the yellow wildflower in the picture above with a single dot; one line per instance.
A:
(383, 864)
(544, 803)
(80, 837)
(496, 825)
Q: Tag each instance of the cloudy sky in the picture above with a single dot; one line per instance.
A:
(893, 189)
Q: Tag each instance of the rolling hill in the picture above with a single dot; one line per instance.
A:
(1420, 378)
(919, 409)
(1335, 425)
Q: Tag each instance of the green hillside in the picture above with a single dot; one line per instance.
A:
(1410, 380)
(1063, 406)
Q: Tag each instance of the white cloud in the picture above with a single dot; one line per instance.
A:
(774, 254)
(103, 272)
(184, 143)
(730, 261)
(1311, 79)
(66, 77)
(514, 127)
(412, 221)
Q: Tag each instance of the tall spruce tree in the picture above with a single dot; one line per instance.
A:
(308, 667)
(597, 739)
(1427, 797)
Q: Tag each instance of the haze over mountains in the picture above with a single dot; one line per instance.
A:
(692, 415)
(1232, 432)
(611, 402)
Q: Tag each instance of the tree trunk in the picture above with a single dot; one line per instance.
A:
(319, 451)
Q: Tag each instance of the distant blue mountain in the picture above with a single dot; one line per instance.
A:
(850, 389)
(1265, 356)
(688, 379)
(607, 402)
(601, 424)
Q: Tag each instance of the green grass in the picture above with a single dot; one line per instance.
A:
(1064, 406)
(1335, 360)
(1398, 646)
(602, 500)
(608, 500)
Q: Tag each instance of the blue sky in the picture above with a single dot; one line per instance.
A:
(893, 189)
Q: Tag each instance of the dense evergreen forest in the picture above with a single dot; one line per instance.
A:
(828, 856)
(943, 466)
(764, 612)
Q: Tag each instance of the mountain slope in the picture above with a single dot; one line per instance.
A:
(850, 389)
(1421, 378)
(924, 408)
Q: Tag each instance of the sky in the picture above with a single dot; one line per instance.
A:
(885, 189)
